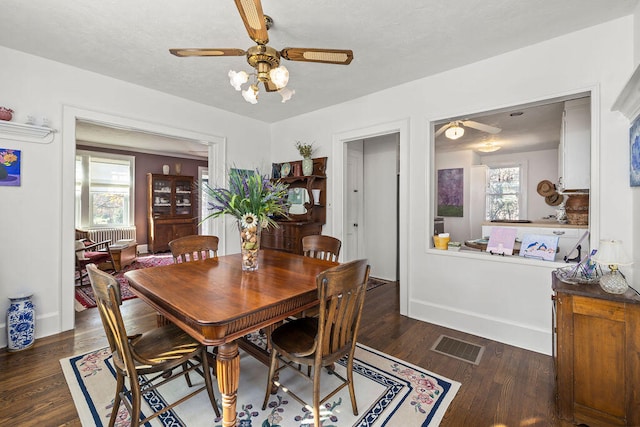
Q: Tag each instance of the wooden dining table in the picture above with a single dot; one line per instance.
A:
(217, 303)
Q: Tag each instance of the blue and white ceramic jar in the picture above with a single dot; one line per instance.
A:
(21, 323)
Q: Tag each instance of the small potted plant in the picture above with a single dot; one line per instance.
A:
(306, 151)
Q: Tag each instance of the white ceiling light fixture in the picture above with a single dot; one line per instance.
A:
(454, 132)
(279, 76)
(237, 79)
(286, 94)
(251, 94)
(489, 147)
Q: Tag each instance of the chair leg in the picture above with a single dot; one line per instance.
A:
(272, 369)
(134, 385)
(207, 380)
(317, 370)
(117, 399)
(352, 391)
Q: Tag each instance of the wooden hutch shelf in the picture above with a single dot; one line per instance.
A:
(305, 218)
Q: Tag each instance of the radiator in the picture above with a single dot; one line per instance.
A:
(113, 234)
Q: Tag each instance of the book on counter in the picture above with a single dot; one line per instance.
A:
(502, 240)
(539, 246)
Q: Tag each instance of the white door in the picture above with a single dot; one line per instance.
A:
(354, 227)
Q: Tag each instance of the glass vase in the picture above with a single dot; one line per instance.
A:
(21, 322)
(250, 245)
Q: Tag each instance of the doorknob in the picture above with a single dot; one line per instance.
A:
(355, 225)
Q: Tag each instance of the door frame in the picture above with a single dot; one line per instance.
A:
(339, 152)
(70, 115)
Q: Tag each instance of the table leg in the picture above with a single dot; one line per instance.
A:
(228, 372)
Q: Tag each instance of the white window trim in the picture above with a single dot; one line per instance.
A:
(84, 220)
(524, 173)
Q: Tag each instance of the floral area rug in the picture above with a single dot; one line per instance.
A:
(389, 392)
(84, 293)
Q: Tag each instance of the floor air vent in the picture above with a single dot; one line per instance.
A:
(458, 349)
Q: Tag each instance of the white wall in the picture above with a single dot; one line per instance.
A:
(507, 301)
(36, 253)
(380, 204)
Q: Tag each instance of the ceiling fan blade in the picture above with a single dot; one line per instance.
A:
(253, 18)
(481, 126)
(442, 129)
(326, 56)
(207, 52)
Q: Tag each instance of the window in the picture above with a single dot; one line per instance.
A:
(104, 190)
(504, 197)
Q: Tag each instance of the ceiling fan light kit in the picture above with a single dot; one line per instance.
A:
(454, 132)
(265, 59)
(489, 147)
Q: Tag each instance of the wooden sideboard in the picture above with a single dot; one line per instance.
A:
(288, 236)
(596, 355)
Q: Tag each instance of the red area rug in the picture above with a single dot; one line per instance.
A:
(84, 293)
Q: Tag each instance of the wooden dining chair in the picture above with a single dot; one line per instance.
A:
(191, 248)
(148, 360)
(321, 247)
(320, 341)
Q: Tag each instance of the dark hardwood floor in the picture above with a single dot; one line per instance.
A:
(510, 387)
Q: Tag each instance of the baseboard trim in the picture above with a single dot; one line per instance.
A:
(517, 335)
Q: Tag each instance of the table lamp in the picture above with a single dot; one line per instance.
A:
(612, 254)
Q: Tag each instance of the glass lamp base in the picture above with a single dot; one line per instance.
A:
(613, 283)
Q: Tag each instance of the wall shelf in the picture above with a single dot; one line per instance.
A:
(24, 132)
(628, 101)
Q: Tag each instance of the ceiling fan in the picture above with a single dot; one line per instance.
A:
(454, 129)
(264, 58)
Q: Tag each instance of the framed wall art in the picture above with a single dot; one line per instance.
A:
(9, 167)
(451, 192)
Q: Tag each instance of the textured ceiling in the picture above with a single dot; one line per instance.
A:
(393, 41)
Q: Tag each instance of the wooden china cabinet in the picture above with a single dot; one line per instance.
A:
(306, 217)
(171, 209)
(596, 355)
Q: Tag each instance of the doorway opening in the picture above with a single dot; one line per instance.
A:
(371, 228)
(71, 116)
(341, 171)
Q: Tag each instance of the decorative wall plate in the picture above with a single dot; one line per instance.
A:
(285, 170)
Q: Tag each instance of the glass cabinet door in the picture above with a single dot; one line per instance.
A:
(183, 197)
(161, 201)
